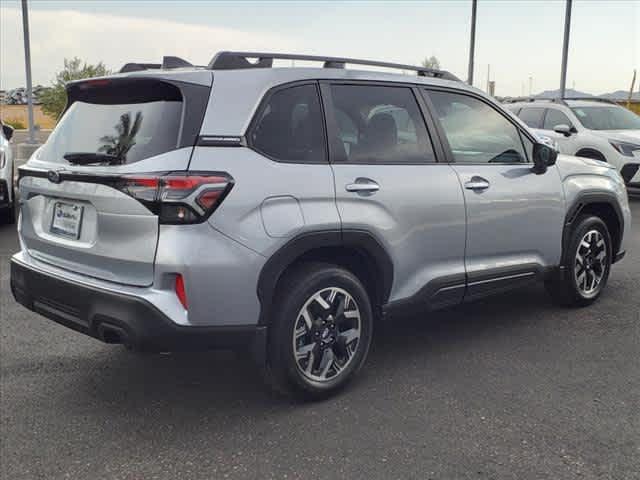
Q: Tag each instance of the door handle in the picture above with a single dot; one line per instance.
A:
(477, 183)
(363, 186)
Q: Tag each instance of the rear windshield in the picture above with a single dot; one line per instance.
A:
(607, 118)
(128, 132)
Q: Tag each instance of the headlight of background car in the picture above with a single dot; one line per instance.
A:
(626, 148)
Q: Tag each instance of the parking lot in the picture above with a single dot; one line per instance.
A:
(511, 387)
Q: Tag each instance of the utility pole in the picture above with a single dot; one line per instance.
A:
(565, 48)
(472, 46)
(530, 85)
(27, 61)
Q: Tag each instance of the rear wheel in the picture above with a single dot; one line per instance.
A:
(321, 332)
(586, 266)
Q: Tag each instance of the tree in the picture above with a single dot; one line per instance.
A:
(54, 98)
(431, 62)
(120, 144)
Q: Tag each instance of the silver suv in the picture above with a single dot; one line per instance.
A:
(284, 209)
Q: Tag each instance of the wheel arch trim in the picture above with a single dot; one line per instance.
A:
(578, 205)
(306, 243)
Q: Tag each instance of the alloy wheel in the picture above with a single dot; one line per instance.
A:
(590, 263)
(326, 334)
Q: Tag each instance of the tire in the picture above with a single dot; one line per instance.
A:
(320, 333)
(590, 241)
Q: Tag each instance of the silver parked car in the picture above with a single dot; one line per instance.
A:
(283, 209)
(7, 197)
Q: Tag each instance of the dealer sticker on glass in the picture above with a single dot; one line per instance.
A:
(67, 219)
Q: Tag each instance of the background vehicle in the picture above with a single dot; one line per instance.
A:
(591, 128)
(285, 208)
(7, 207)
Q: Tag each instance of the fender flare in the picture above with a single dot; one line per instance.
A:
(304, 243)
(581, 201)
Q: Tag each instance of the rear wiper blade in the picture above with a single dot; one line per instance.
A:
(89, 158)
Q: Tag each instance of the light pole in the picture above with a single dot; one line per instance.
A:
(565, 48)
(472, 46)
(27, 62)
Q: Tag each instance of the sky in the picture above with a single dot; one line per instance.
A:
(519, 39)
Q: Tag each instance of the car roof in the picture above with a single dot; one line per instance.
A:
(236, 94)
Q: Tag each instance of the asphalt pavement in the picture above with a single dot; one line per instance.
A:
(511, 387)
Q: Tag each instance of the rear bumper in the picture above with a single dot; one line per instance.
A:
(118, 318)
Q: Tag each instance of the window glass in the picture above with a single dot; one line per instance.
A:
(532, 116)
(380, 125)
(476, 132)
(131, 125)
(607, 118)
(555, 117)
(289, 127)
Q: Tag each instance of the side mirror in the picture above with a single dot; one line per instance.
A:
(543, 157)
(7, 130)
(564, 129)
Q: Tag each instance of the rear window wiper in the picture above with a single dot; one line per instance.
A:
(89, 158)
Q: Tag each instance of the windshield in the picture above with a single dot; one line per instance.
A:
(126, 132)
(607, 118)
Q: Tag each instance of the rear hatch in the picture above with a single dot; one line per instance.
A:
(90, 194)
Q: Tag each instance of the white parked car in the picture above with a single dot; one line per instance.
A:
(593, 128)
(7, 208)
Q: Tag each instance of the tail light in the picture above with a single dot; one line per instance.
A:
(178, 198)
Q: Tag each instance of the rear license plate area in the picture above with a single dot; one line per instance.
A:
(66, 219)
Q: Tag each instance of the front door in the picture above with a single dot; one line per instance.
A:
(514, 216)
(389, 183)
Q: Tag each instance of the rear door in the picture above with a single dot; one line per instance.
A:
(76, 211)
(389, 183)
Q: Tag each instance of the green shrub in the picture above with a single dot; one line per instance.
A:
(16, 124)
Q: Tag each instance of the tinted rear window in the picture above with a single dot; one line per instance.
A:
(130, 128)
(532, 116)
(289, 126)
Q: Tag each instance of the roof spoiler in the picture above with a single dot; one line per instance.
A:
(168, 63)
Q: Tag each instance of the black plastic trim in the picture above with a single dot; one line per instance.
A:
(137, 323)
(493, 281)
(619, 256)
(591, 153)
(438, 293)
(305, 243)
(628, 171)
(581, 201)
(221, 141)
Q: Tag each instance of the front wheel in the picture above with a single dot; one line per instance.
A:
(321, 332)
(586, 266)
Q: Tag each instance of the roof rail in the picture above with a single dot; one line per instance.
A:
(168, 62)
(593, 99)
(240, 60)
(534, 99)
